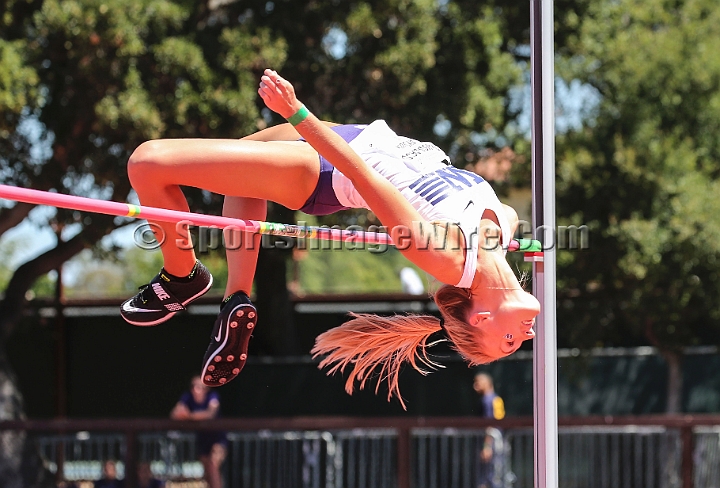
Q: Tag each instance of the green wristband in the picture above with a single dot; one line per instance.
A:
(298, 116)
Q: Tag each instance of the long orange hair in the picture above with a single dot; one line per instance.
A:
(376, 345)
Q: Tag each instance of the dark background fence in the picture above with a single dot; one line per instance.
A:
(677, 457)
(112, 369)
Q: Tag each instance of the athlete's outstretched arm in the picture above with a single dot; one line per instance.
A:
(443, 257)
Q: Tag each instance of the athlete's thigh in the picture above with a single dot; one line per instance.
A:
(284, 172)
(281, 132)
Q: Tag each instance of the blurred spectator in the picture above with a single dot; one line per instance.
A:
(145, 477)
(489, 405)
(201, 404)
(109, 479)
(411, 281)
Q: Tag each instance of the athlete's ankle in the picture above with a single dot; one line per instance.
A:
(230, 297)
(186, 278)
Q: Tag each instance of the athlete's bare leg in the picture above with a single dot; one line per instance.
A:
(284, 172)
(242, 259)
(242, 255)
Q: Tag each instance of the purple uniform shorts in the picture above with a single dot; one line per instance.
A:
(323, 200)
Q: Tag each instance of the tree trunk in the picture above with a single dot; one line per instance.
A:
(674, 360)
(20, 463)
(10, 217)
(14, 302)
(675, 381)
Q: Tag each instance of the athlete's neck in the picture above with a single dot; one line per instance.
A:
(493, 272)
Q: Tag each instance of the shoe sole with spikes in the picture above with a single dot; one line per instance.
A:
(227, 353)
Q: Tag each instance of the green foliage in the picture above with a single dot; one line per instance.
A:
(350, 271)
(644, 174)
(18, 95)
(87, 276)
(94, 277)
(320, 271)
(98, 78)
(215, 262)
(114, 74)
(18, 82)
(44, 287)
(8, 250)
(84, 82)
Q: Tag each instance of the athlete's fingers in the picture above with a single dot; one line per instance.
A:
(274, 75)
(277, 93)
(264, 90)
(267, 86)
(266, 95)
(272, 85)
(284, 87)
(271, 91)
(266, 81)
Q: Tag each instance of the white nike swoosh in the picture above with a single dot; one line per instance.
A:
(129, 308)
(219, 334)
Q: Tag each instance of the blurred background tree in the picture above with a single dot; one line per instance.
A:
(83, 82)
(643, 174)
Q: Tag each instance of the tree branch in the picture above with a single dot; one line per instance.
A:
(10, 217)
(14, 301)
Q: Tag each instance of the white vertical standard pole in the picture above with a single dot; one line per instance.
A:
(543, 188)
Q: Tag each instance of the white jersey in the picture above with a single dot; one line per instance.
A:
(421, 171)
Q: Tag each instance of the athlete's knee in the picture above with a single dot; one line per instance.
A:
(145, 163)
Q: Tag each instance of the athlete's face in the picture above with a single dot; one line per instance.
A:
(511, 323)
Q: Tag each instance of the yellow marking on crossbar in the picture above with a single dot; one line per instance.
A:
(133, 210)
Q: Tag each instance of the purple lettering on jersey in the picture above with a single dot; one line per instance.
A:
(465, 178)
(438, 185)
(429, 186)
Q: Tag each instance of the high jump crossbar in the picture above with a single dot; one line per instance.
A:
(542, 61)
(119, 209)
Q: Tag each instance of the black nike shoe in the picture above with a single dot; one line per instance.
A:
(227, 352)
(163, 297)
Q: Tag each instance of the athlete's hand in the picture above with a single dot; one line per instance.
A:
(278, 94)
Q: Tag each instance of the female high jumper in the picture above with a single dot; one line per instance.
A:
(447, 221)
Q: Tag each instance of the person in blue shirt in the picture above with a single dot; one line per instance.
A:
(200, 403)
(489, 405)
